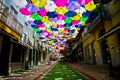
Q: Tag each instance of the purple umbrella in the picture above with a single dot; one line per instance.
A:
(73, 5)
(31, 8)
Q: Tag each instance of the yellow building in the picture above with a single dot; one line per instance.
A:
(102, 41)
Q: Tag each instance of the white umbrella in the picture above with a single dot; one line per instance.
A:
(50, 6)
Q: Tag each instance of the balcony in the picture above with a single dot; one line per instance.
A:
(10, 20)
(93, 24)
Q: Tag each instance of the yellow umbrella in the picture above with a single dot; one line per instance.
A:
(60, 30)
(39, 3)
(45, 19)
(77, 17)
(56, 34)
(61, 10)
(52, 23)
(90, 6)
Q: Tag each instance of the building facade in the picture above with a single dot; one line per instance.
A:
(19, 48)
(101, 43)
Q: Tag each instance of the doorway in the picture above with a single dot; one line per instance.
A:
(105, 52)
(4, 56)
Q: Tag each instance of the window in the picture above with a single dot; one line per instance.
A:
(13, 11)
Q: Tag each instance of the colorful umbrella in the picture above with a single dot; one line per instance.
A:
(42, 12)
(36, 16)
(60, 3)
(61, 10)
(24, 11)
(90, 6)
(31, 8)
(51, 6)
(73, 5)
(70, 14)
(39, 3)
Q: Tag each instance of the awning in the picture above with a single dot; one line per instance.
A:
(109, 33)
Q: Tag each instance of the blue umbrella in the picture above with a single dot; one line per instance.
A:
(70, 13)
(52, 14)
(71, 31)
(87, 14)
(38, 22)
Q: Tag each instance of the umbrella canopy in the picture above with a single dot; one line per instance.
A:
(61, 2)
(39, 3)
(51, 6)
(90, 6)
(56, 21)
(25, 11)
(31, 8)
(73, 5)
(61, 10)
(42, 12)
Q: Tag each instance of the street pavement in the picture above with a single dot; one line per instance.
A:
(35, 73)
(91, 72)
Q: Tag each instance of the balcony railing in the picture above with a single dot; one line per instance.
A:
(93, 23)
(9, 19)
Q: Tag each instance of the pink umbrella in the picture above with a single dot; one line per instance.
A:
(84, 1)
(75, 21)
(42, 12)
(61, 17)
(60, 3)
(40, 25)
(24, 11)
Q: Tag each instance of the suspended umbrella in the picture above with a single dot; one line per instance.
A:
(90, 6)
(39, 3)
(60, 3)
(51, 14)
(80, 10)
(73, 0)
(84, 1)
(61, 17)
(70, 14)
(45, 19)
(67, 25)
(87, 14)
(51, 6)
(40, 26)
(31, 22)
(92, 17)
(54, 19)
(75, 22)
(30, 7)
(61, 10)
(77, 17)
(83, 19)
(38, 22)
(73, 5)
(68, 20)
(42, 12)
(60, 22)
(36, 29)
(36, 16)
(24, 11)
